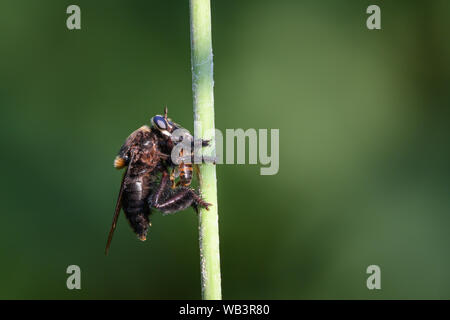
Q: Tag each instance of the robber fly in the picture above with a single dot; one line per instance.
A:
(146, 155)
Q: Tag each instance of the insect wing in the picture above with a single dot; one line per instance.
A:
(118, 208)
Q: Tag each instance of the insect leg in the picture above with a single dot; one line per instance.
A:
(162, 186)
(179, 199)
(173, 175)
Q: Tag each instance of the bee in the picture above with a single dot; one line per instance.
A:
(185, 174)
(146, 155)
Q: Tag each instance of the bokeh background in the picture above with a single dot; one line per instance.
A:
(364, 153)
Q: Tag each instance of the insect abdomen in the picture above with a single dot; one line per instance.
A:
(135, 205)
(185, 174)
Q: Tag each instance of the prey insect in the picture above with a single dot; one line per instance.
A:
(149, 179)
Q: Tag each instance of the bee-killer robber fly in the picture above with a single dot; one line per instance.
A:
(147, 183)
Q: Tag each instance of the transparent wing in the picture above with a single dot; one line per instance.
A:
(117, 210)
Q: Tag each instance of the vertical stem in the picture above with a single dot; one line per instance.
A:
(203, 98)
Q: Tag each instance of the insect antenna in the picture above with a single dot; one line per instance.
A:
(165, 113)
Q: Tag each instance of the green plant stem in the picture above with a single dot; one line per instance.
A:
(203, 97)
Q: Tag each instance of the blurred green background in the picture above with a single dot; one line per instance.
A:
(364, 153)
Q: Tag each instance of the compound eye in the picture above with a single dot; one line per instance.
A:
(159, 122)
